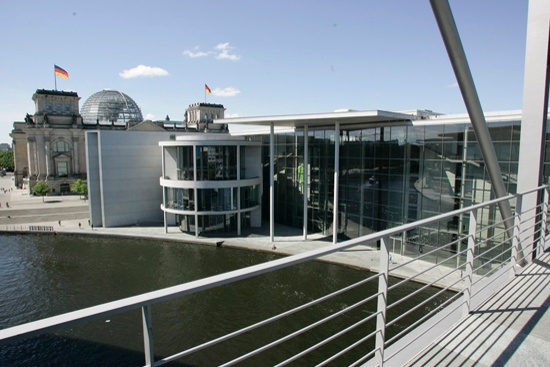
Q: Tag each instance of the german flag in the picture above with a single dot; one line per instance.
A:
(207, 89)
(60, 72)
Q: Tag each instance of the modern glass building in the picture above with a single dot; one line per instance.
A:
(373, 170)
(211, 183)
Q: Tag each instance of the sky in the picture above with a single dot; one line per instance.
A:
(259, 57)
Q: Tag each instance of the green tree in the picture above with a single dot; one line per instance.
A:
(41, 188)
(6, 160)
(80, 187)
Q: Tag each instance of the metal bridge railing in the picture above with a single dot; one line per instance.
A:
(468, 269)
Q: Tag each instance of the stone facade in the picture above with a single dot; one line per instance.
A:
(49, 145)
(200, 116)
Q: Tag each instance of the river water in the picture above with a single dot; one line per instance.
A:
(46, 275)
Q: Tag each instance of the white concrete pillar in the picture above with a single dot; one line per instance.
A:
(305, 178)
(238, 190)
(336, 181)
(195, 193)
(535, 105)
(271, 182)
(163, 175)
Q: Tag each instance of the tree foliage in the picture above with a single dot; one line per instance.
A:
(80, 187)
(6, 160)
(41, 189)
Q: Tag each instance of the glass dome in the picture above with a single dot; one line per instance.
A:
(110, 106)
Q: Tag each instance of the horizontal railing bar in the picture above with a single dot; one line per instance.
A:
(423, 271)
(500, 224)
(265, 322)
(531, 250)
(486, 275)
(424, 317)
(498, 234)
(350, 347)
(480, 255)
(447, 288)
(532, 190)
(530, 217)
(443, 305)
(362, 359)
(329, 339)
(300, 331)
(489, 261)
(425, 286)
(428, 253)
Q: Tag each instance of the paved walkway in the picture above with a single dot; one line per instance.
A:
(512, 328)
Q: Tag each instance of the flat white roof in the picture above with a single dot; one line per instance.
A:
(320, 120)
(464, 118)
(360, 118)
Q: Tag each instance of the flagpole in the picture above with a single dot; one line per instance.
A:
(54, 77)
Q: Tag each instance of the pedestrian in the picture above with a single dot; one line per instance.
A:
(59, 222)
(88, 222)
(7, 204)
(79, 225)
(92, 227)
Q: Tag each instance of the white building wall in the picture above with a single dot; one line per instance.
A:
(130, 167)
(253, 169)
(94, 182)
(170, 162)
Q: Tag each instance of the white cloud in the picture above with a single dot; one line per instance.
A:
(225, 92)
(143, 71)
(224, 52)
(230, 115)
(150, 116)
(195, 53)
(454, 85)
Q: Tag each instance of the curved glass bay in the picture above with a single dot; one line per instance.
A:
(46, 275)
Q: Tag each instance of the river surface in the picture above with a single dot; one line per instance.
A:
(46, 275)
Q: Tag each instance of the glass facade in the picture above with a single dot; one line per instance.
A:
(203, 192)
(216, 163)
(388, 176)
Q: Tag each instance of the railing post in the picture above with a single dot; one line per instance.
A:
(382, 301)
(515, 239)
(544, 221)
(148, 336)
(469, 271)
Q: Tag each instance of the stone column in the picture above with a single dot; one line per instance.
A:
(75, 156)
(40, 157)
(48, 157)
(31, 148)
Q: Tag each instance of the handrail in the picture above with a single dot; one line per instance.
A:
(145, 300)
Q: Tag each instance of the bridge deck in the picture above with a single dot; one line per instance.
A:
(512, 328)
